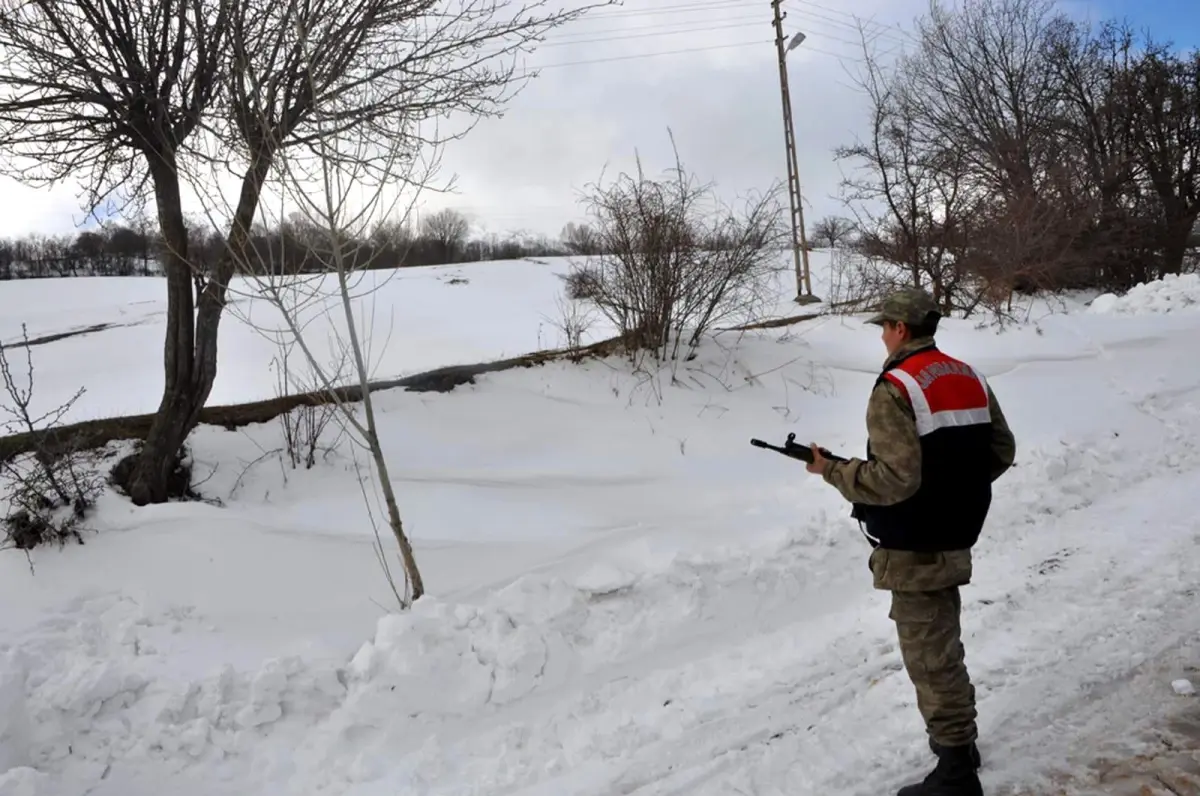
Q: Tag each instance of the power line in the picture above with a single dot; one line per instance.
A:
(814, 18)
(757, 43)
(671, 29)
(704, 5)
(867, 24)
(675, 28)
(824, 36)
(652, 34)
(683, 51)
(663, 26)
(680, 28)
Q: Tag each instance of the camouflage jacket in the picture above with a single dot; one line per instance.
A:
(895, 472)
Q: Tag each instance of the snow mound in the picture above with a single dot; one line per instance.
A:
(24, 781)
(1169, 294)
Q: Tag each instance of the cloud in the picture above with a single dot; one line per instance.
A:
(720, 99)
(25, 210)
(710, 75)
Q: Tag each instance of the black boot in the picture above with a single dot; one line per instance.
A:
(976, 761)
(954, 776)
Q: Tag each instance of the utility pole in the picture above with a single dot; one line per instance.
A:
(804, 294)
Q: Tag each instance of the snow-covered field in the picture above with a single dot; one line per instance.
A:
(624, 596)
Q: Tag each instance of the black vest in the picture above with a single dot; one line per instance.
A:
(954, 424)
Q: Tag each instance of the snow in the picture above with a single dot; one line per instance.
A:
(407, 305)
(625, 596)
(1174, 292)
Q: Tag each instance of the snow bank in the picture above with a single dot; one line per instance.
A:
(24, 781)
(92, 686)
(450, 681)
(1172, 293)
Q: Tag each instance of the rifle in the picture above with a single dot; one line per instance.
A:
(794, 451)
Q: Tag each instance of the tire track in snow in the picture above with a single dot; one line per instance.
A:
(1006, 609)
(1037, 680)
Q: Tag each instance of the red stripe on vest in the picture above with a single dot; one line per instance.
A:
(948, 384)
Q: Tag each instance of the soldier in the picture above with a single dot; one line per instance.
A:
(936, 440)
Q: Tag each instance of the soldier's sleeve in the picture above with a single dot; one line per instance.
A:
(1004, 444)
(895, 472)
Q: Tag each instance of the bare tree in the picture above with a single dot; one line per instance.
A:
(322, 186)
(580, 239)
(832, 231)
(394, 241)
(1004, 155)
(986, 78)
(909, 196)
(110, 92)
(114, 92)
(982, 77)
(1082, 147)
(1163, 90)
(1116, 248)
(447, 230)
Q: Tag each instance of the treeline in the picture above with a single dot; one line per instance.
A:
(294, 247)
(299, 246)
(1016, 147)
(111, 251)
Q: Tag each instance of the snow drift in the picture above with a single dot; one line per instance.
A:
(625, 596)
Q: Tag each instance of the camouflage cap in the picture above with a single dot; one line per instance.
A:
(909, 305)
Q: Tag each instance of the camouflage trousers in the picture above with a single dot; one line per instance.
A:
(926, 607)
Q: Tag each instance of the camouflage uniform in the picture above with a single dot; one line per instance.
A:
(926, 602)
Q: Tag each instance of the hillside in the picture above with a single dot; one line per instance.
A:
(624, 596)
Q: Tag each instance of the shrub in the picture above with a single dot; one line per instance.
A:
(676, 261)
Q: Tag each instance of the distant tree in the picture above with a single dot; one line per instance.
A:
(447, 232)
(581, 239)
(88, 251)
(831, 232)
(394, 241)
(1163, 92)
(126, 249)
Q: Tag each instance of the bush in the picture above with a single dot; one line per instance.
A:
(676, 261)
(48, 491)
(583, 283)
(40, 516)
(304, 427)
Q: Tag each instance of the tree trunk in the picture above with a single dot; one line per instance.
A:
(416, 582)
(1175, 243)
(190, 356)
(151, 474)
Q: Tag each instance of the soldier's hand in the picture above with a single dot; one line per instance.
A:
(818, 463)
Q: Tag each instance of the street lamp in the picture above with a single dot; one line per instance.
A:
(804, 294)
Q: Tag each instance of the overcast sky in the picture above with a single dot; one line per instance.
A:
(614, 82)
